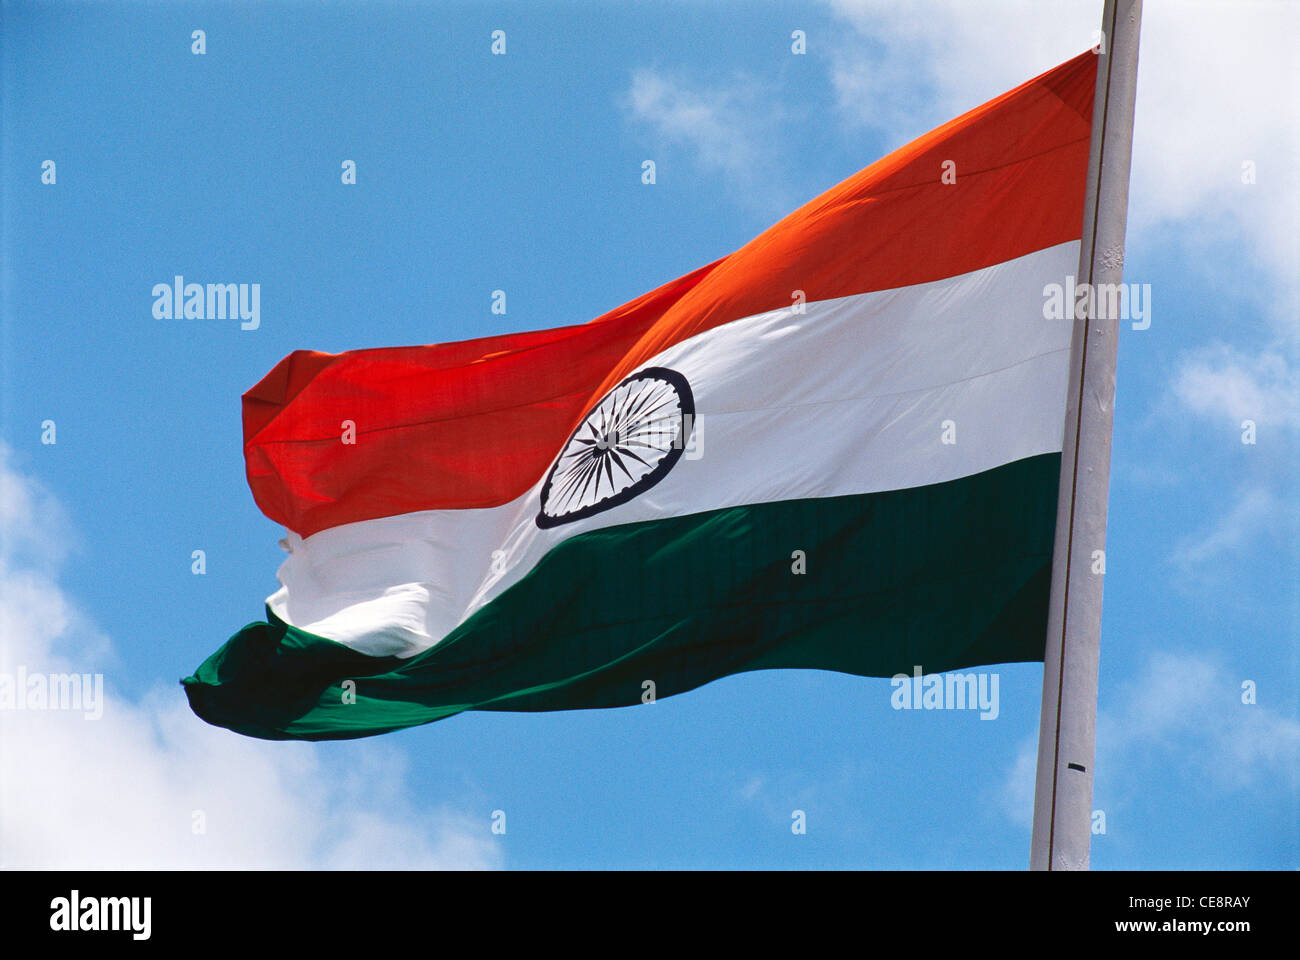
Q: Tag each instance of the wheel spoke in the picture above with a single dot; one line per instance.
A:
(623, 446)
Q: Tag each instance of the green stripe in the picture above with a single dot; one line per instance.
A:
(945, 576)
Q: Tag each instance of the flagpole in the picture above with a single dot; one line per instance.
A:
(1063, 788)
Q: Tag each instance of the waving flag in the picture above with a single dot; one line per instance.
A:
(836, 448)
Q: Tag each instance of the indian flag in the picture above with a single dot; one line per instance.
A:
(836, 448)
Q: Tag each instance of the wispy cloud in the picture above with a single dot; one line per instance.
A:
(131, 788)
(1226, 383)
(731, 131)
(1184, 711)
(1255, 520)
(1188, 709)
(1016, 793)
(904, 68)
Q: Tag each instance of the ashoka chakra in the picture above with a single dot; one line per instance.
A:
(623, 447)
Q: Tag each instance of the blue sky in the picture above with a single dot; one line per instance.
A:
(522, 173)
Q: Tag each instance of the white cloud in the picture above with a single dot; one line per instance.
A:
(1217, 85)
(1223, 381)
(730, 130)
(121, 791)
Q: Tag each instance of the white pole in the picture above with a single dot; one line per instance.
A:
(1063, 790)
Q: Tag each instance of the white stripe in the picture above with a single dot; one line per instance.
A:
(850, 397)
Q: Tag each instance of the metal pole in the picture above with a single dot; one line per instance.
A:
(1063, 790)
